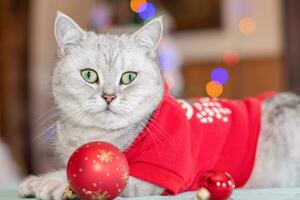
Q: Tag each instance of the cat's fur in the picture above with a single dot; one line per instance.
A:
(84, 116)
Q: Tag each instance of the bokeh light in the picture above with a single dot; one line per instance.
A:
(231, 58)
(101, 16)
(247, 25)
(219, 75)
(147, 11)
(214, 89)
(166, 60)
(137, 5)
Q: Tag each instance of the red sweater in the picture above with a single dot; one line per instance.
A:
(185, 139)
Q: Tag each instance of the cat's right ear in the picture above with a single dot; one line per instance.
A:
(150, 34)
(67, 32)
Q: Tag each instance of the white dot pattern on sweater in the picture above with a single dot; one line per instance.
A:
(206, 110)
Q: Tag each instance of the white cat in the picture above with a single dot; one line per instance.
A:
(107, 87)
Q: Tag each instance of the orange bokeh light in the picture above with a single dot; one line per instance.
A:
(136, 4)
(247, 25)
(214, 89)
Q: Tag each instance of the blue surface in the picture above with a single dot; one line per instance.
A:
(243, 194)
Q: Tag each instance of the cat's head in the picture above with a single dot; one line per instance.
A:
(107, 81)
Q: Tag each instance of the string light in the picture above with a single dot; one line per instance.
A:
(168, 55)
(214, 89)
(166, 60)
(101, 16)
(247, 25)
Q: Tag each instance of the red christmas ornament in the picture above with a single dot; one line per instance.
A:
(215, 185)
(97, 170)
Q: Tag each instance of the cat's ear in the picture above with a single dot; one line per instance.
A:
(67, 32)
(150, 34)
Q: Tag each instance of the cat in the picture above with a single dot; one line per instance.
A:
(108, 87)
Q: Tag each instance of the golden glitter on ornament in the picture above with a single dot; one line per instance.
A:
(125, 177)
(105, 156)
(98, 195)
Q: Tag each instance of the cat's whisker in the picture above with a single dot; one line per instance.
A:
(47, 129)
(44, 132)
(48, 112)
(159, 129)
(56, 112)
(71, 115)
(165, 135)
(82, 114)
(153, 119)
(125, 106)
(52, 116)
(153, 136)
(156, 145)
(161, 133)
(70, 118)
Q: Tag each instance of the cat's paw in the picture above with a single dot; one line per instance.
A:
(26, 187)
(44, 187)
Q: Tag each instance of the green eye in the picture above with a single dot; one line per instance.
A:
(128, 77)
(89, 75)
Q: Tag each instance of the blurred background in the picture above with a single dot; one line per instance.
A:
(216, 48)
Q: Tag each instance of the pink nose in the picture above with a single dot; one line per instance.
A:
(108, 98)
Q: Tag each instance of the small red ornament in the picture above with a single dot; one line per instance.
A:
(215, 185)
(97, 171)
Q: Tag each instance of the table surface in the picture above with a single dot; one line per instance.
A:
(243, 194)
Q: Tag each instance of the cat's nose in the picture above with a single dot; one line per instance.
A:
(108, 97)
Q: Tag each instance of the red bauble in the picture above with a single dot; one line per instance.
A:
(218, 183)
(97, 170)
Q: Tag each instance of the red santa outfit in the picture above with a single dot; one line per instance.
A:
(185, 139)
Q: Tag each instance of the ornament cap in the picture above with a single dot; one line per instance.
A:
(69, 194)
(203, 194)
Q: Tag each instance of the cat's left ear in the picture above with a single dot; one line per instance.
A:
(150, 34)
